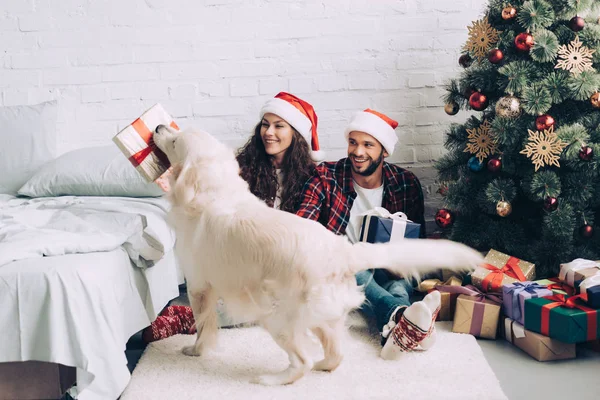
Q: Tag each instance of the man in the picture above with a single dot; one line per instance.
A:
(340, 192)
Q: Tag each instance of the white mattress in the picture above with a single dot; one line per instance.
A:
(79, 310)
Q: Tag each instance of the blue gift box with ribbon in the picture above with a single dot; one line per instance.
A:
(515, 294)
(380, 226)
(590, 291)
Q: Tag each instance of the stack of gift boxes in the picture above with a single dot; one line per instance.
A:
(545, 318)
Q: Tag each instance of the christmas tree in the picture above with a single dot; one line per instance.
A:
(521, 175)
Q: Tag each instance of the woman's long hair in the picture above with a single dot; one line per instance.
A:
(257, 169)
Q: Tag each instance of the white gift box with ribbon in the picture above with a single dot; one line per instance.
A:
(567, 270)
(381, 226)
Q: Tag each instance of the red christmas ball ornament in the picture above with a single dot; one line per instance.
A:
(586, 231)
(494, 164)
(478, 101)
(586, 153)
(444, 218)
(550, 204)
(465, 60)
(495, 56)
(544, 122)
(576, 23)
(524, 41)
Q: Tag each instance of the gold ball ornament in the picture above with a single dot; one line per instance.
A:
(503, 208)
(451, 108)
(595, 100)
(509, 13)
(508, 107)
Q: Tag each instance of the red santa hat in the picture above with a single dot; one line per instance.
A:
(376, 124)
(300, 115)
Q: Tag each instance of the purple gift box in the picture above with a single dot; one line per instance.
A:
(515, 294)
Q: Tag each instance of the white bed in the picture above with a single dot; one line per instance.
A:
(80, 306)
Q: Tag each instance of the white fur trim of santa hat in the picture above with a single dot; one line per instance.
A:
(291, 114)
(367, 122)
(297, 119)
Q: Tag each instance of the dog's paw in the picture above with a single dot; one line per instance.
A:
(191, 351)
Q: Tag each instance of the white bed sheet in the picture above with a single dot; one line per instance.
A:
(79, 310)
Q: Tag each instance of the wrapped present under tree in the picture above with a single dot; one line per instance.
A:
(540, 347)
(590, 291)
(564, 318)
(477, 313)
(577, 270)
(135, 142)
(515, 294)
(448, 299)
(501, 269)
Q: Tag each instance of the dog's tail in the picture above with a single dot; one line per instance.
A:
(412, 258)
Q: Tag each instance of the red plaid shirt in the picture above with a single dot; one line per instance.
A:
(328, 196)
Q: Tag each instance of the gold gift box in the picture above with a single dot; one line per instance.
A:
(499, 260)
(464, 313)
(540, 347)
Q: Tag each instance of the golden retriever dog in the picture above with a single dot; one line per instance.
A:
(290, 274)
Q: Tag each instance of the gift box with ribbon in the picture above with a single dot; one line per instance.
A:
(380, 226)
(135, 141)
(590, 291)
(556, 286)
(578, 270)
(515, 294)
(561, 317)
(540, 347)
(476, 312)
(448, 299)
(501, 269)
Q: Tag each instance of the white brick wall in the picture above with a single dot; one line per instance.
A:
(212, 63)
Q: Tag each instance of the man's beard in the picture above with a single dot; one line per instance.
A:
(371, 168)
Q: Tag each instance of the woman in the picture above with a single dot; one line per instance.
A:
(277, 160)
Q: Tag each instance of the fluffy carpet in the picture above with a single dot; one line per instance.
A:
(454, 368)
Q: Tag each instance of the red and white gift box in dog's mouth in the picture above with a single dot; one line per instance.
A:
(135, 141)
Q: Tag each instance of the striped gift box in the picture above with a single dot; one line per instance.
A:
(135, 141)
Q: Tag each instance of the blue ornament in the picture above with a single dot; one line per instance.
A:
(474, 164)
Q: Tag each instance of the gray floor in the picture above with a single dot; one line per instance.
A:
(523, 377)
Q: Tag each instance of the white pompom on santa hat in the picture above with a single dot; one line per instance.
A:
(300, 115)
(376, 124)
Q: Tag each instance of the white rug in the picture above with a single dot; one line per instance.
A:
(454, 368)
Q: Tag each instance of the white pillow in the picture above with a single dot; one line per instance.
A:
(27, 141)
(91, 171)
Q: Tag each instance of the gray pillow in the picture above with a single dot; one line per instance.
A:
(27, 140)
(91, 171)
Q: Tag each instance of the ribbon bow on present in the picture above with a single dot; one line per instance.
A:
(494, 278)
(567, 271)
(557, 285)
(429, 284)
(518, 287)
(384, 213)
(479, 298)
(559, 300)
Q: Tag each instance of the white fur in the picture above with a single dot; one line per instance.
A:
(288, 273)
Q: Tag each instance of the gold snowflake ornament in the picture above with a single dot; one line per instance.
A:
(482, 38)
(544, 148)
(575, 57)
(482, 142)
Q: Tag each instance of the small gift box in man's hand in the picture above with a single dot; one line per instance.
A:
(380, 226)
(135, 141)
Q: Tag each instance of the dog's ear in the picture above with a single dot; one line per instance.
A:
(185, 186)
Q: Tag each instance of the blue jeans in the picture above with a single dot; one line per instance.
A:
(383, 294)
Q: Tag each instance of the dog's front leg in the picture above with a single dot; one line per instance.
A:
(204, 307)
